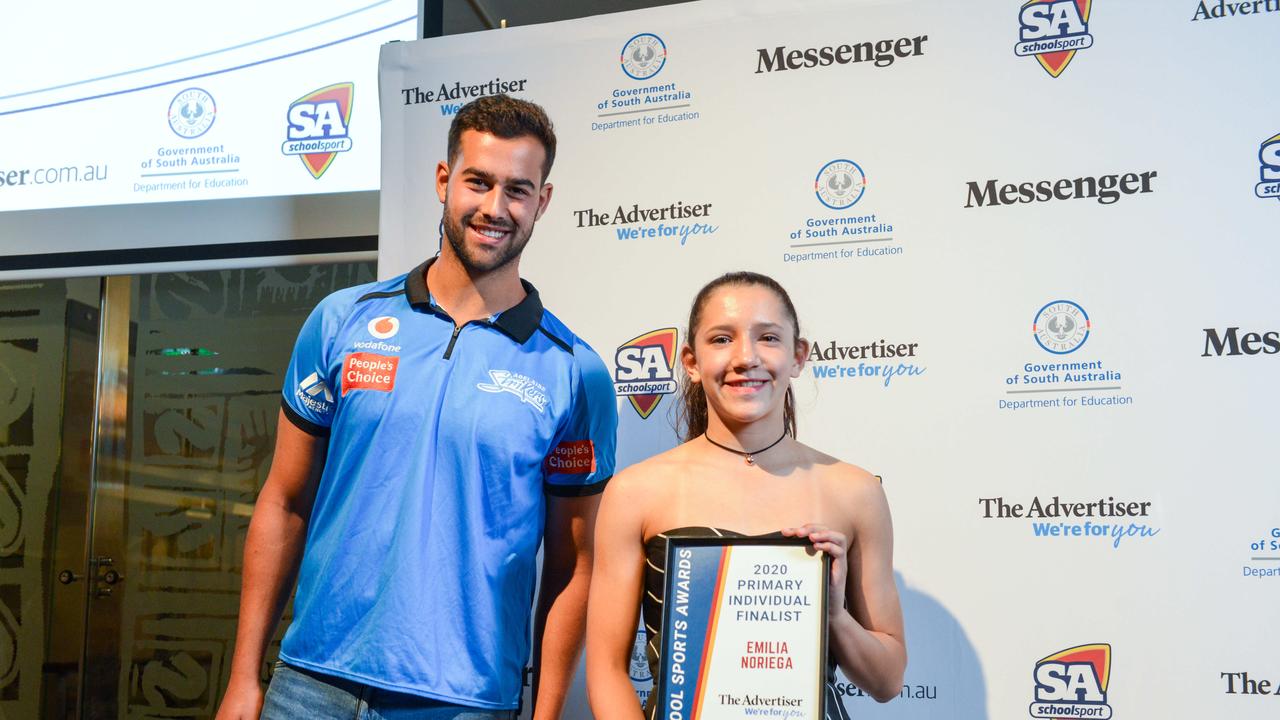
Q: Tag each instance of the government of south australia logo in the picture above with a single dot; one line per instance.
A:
(643, 56)
(318, 126)
(1061, 327)
(191, 113)
(840, 184)
(1053, 30)
(1073, 683)
(639, 670)
(1269, 156)
(646, 369)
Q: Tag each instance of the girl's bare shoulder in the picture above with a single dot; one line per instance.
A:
(846, 479)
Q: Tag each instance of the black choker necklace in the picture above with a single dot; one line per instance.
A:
(748, 456)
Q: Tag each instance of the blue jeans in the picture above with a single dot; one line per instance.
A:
(296, 693)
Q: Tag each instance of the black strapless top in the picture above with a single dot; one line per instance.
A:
(655, 586)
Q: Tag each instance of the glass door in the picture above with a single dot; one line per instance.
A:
(48, 369)
(133, 444)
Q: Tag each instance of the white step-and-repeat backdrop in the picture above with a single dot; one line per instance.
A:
(1035, 248)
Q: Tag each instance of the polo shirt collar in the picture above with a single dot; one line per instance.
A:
(518, 322)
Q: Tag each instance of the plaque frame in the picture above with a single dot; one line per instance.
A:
(662, 687)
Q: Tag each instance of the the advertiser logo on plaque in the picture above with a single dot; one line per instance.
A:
(743, 629)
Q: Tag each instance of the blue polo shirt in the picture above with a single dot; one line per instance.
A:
(418, 572)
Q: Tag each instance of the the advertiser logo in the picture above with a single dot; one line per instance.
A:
(1269, 157)
(878, 362)
(1230, 341)
(880, 53)
(646, 369)
(1061, 328)
(1106, 189)
(319, 124)
(840, 235)
(662, 222)
(191, 113)
(1104, 520)
(368, 371)
(572, 457)
(642, 58)
(1207, 10)
(384, 327)
(1073, 684)
(1264, 557)
(1240, 683)
(1053, 30)
(450, 97)
(315, 394)
(530, 391)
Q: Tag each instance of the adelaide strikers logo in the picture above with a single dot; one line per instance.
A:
(318, 126)
(840, 184)
(1269, 156)
(643, 56)
(191, 113)
(646, 369)
(1053, 30)
(384, 327)
(1073, 684)
(1061, 327)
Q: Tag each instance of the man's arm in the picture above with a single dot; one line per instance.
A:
(562, 601)
(272, 552)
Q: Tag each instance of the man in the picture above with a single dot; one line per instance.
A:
(432, 426)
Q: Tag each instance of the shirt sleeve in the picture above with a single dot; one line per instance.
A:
(582, 460)
(308, 396)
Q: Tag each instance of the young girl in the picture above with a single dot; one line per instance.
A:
(741, 471)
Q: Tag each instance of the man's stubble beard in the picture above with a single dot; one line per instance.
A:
(455, 235)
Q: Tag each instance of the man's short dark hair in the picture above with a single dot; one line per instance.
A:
(507, 118)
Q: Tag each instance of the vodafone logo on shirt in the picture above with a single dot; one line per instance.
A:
(384, 327)
(368, 371)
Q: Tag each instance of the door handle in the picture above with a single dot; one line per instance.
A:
(107, 575)
(66, 577)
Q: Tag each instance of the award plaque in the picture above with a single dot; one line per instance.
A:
(744, 629)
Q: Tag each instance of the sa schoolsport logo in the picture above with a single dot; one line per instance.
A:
(643, 56)
(318, 126)
(1269, 156)
(1053, 30)
(1073, 683)
(646, 369)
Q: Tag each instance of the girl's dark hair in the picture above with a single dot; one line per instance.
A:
(691, 414)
